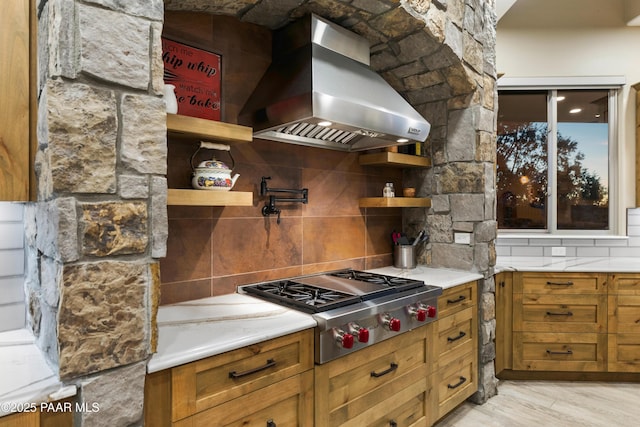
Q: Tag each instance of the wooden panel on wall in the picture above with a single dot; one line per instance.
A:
(14, 102)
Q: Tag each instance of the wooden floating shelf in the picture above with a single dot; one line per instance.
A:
(180, 197)
(395, 202)
(194, 127)
(398, 160)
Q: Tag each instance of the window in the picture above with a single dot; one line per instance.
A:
(554, 160)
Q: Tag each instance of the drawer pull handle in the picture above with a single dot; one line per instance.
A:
(393, 423)
(458, 384)
(551, 313)
(270, 363)
(560, 283)
(392, 368)
(270, 423)
(461, 335)
(457, 300)
(566, 353)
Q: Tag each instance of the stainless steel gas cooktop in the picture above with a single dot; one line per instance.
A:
(353, 309)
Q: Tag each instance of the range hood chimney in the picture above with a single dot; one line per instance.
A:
(319, 91)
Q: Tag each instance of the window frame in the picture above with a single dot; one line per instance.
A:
(551, 85)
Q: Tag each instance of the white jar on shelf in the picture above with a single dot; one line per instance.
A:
(388, 190)
(170, 99)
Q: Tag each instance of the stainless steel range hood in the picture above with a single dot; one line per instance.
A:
(319, 91)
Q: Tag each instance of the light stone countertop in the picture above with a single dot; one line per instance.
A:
(569, 264)
(197, 329)
(26, 378)
(443, 277)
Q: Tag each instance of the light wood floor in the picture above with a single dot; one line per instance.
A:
(553, 404)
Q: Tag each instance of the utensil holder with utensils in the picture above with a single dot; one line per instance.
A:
(404, 256)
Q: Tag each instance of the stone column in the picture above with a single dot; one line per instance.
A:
(458, 94)
(100, 221)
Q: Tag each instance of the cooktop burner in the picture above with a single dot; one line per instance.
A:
(325, 291)
(376, 278)
(301, 296)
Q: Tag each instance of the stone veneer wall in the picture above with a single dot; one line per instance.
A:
(100, 222)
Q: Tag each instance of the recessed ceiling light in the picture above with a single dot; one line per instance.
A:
(575, 110)
(325, 124)
(402, 140)
(560, 98)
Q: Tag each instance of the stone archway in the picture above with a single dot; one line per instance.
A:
(440, 55)
(95, 235)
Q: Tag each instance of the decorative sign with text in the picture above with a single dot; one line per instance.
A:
(196, 75)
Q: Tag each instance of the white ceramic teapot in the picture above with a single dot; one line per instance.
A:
(213, 174)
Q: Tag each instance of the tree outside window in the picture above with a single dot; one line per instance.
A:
(573, 195)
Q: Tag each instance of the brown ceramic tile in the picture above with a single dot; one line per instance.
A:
(272, 153)
(355, 263)
(332, 193)
(178, 212)
(172, 293)
(319, 158)
(378, 233)
(244, 245)
(378, 261)
(179, 152)
(188, 251)
(228, 284)
(331, 239)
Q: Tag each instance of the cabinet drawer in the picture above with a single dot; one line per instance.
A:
(624, 353)
(403, 401)
(351, 385)
(625, 284)
(456, 299)
(287, 403)
(624, 314)
(559, 351)
(455, 382)
(455, 335)
(559, 283)
(560, 313)
(210, 382)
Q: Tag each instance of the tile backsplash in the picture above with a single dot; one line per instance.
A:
(12, 263)
(211, 250)
(601, 246)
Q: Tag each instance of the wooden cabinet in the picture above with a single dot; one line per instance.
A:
(22, 419)
(270, 381)
(504, 321)
(185, 127)
(396, 160)
(559, 322)
(455, 347)
(567, 322)
(624, 323)
(385, 384)
(17, 86)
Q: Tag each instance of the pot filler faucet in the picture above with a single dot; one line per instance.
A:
(270, 208)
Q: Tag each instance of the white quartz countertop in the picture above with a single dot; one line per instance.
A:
(201, 328)
(570, 264)
(26, 379)
(197, 329)
(443, 277)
